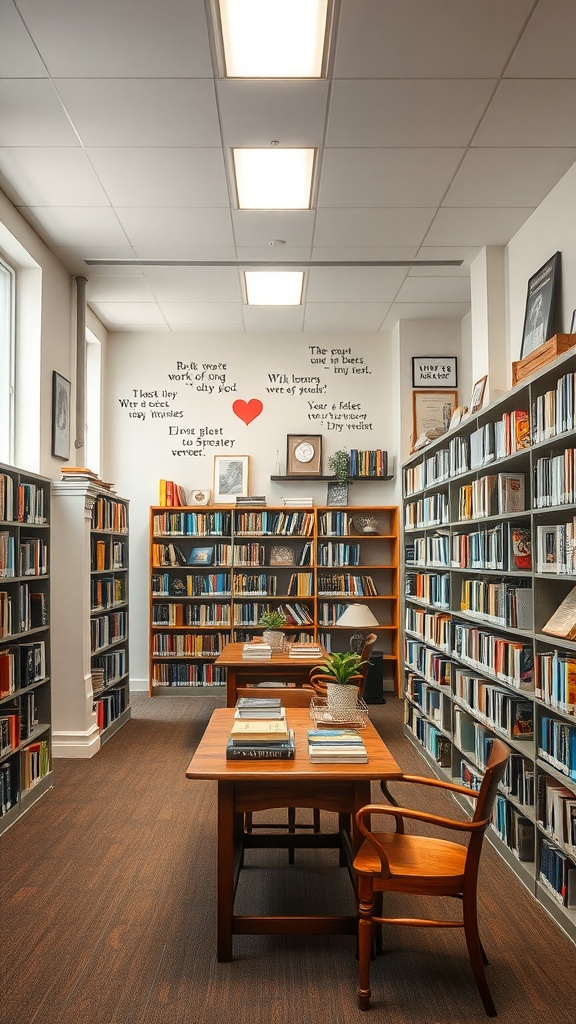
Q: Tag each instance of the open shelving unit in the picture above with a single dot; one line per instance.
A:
(488, 539)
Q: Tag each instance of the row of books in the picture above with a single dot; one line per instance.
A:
(433, 667)
(556, 811)
(35, 761)
(173, 614)
(107, 591)
(170, 494)
(510, 661)
(504, 603)
(506, 712)
(555, 680)
(433, 627)
(8, 786)
(31, 559)
(339, 554)
(557, 745)
(496, 440)
(506, 546)
(109, 514)
(491, 495)
(107, 629)
(514, 829)
(553, 412)
(429, 699)
(108, 554)
(263, 583)
(329, 612)
(192, 524)
(554, 480)
(111, 665)
(556, 548)
(371, 463)
(346, 583)
(438, 745)
(213, 584)
(186, 674)
(430, 511)
(20, 666)
(430, 588)
(190, 645)
(277, 524)
(110, 706)
(25, 612)
(557, 874)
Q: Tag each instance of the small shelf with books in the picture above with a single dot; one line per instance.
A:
(308, 562)
(489, 614)
(25, 647)
(91, 594)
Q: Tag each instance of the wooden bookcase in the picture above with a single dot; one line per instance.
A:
(482, 576)
(91, 694)
(214, 569)
(25, 705)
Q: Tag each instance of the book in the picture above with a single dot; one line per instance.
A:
(563, 622)
(284, 751)
(256, 708)
(520, 548)
(305, 650)
(265, 730)
(336, 746)
(511, 492)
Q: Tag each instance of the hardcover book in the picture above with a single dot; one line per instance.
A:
(563, 622)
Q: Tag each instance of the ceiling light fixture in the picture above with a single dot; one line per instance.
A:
(274, 288)
(273, 179)
(284, 39)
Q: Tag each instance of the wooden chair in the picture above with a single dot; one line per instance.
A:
(317, 679)
(425, 866)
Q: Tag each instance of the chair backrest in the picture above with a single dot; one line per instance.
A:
(365, 655)
(494, 771)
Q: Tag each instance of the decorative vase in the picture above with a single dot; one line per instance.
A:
(341, 698)
(365, 524)
(275, 638)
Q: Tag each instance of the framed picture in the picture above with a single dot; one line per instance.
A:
(458, 415)
(304, 455)
(282, 554)
(432, 412)
(337, 494)
(540, 302)
(60, 416)
(200, 556)
(230, 478)
(434, 372)
(477, 396)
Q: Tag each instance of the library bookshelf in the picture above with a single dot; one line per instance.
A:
(489, 553)
(25, 705)
(91, 693)
(215, 569)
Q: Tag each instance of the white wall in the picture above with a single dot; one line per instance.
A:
(548, 230)
(340, 387)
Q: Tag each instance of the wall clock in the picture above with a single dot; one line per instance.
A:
(304, 455)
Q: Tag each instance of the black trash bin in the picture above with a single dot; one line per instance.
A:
(374, 689)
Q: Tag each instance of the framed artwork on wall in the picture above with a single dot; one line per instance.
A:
(60, 416)
(304, 455)
(540, 303)
(434, 372)
(477, 396)
(432, 412)
(230, 478)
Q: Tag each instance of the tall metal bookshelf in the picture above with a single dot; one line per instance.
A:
(489, 553)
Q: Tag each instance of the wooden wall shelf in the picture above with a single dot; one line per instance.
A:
(351, 479)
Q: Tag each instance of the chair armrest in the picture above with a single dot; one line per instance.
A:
(407, 812)
(421, 780)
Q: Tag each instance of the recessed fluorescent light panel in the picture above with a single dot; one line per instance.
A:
(273, 38)
(273, 179)
(274, 287)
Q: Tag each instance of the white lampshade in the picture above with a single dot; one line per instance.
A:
(357, 616)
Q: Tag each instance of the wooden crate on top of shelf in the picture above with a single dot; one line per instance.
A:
(542, 355)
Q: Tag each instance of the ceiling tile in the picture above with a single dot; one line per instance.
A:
(420, 39)
(162, 177)
(144, 225)
(526, 113)
(142, 112)
(83, 39)
(253, 113)
(259, 227)
(546, 49)
(434, 289)
(117, 314)
(386, 177)
(508, 177)
(273, 318)
(187, 252)
(364, 253)
(50, 177)
(76, 226)
(413, 112)
(194, 284)
(18, 56)
(32, 115)
(371, 227)
(178, 314)
(480, 226)
(121, 288)
(354, 284)
(345, 316)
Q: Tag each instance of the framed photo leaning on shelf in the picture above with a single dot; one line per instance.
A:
(304, 455)
(432, 412)
(230, 478)
(477, 396)
(434, 372)
(60, 416)
(540, 301)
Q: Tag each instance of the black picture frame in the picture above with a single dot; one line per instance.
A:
(61, 390)
(434, 372)
(540, 306)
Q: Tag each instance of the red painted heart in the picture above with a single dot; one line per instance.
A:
(247, 411)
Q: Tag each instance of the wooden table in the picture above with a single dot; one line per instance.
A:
(258, 785)
(242, 671)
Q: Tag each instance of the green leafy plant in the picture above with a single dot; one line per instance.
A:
(272, 620)
(339, 463)
(340, 666)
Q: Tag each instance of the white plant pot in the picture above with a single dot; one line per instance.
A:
(341, 698)
(275, 638)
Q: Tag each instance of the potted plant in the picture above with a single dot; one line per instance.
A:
(339, 463)
(273, 621)
(339, 668)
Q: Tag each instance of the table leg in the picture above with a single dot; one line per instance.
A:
(225, 896)
(231, 687)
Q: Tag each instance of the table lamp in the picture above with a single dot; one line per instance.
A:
(357, 617)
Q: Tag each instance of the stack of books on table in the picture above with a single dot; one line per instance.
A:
(336, 746)
(256, 650)
(259, 707)
(260, 738)
(305, 650)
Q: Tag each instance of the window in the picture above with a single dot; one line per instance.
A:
(7, 281)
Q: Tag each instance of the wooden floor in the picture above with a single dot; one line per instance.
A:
(107, 908)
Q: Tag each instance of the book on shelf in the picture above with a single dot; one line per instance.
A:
(563, 622)
(283, 750)
(251, 499)
(252, 730)
(171, 494)
(511, 492)
(519, 547)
